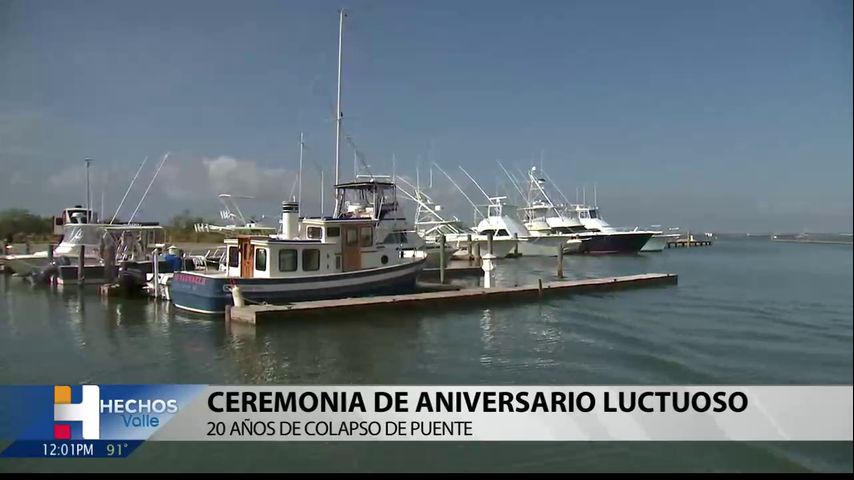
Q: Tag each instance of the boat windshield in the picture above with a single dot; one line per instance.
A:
(593, 214)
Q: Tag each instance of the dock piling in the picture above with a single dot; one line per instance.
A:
(81, 260)
(515, 244)
(442, 259)
(560, 261)
(155, 272)
(470, 248)
(489, 238)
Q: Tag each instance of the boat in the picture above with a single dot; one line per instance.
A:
(357, 251)
(235, 222)
(659, 241)
(130, 242)
(430, 225)
(338, 256)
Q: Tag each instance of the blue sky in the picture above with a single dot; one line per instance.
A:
(720, 115)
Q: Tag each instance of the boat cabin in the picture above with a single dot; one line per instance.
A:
(74, 215)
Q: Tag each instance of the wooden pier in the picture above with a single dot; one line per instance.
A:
(254, 314)
(689, 243)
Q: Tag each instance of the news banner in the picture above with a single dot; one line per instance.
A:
(56, 421)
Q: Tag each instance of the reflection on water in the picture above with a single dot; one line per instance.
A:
(743, 312)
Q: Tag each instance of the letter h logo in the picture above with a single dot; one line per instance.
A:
(87, 412)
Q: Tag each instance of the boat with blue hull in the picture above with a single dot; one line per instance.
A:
(208, 294)
(351, 253)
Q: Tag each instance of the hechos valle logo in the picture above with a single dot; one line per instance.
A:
(87, 412)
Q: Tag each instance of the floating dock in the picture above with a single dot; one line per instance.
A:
(254, 314)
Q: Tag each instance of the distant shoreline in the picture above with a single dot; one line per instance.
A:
(831, 242)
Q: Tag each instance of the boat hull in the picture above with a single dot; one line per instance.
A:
(210, 294)
(501, 247)
(544, 246)
(616, 242)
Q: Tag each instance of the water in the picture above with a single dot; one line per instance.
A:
(744, 312)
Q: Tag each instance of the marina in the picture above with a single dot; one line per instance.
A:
(251, 269)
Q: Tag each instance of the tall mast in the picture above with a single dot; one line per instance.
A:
(338, 113)
(299, 188)
(88, 194)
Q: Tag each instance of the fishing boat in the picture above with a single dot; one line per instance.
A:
(599, 236)
(431, 225)
(336, 257)
(128, 242)
(659, 241)
(235, 223)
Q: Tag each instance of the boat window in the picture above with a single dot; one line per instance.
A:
(352, 237)
(592, 213)
(288, 260)
(261, 259)
(310, 260)
(502, 233)
(333, 232)
(366, 236)
(396, 237)
(233, 257)
(315, 233)
(583, 214)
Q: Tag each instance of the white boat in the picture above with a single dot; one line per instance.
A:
(128, 241)
(235, 222)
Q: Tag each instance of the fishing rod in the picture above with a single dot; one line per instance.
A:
(476, 210)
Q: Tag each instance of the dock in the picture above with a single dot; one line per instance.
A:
(255, 314)
(689, 243)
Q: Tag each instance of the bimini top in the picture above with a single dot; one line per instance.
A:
(366, 184)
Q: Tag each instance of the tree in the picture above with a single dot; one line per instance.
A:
(16, 223)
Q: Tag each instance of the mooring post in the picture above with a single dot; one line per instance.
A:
(155, 273)
(488, 268)
(442, 259)
(489, 237)
(27, 246)
(109, 259)
(470, 248)
(477, 250)
(81, 259)
(516, 244)
(49, 253)
(560, 261)
(540, 286)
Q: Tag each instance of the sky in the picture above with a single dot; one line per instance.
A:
(715, 115)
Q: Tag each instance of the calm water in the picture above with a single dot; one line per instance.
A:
(744, 312)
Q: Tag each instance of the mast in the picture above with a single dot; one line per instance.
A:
(299, 187)
(338, 114)
(88, 192)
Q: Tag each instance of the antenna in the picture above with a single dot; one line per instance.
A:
(393, 168)
(338, 114)
(128, 190)
(595, 202)
(144, 194)
(475, 183)
(584, 194)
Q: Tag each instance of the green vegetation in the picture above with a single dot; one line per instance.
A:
(19, 225)
(181, 228)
